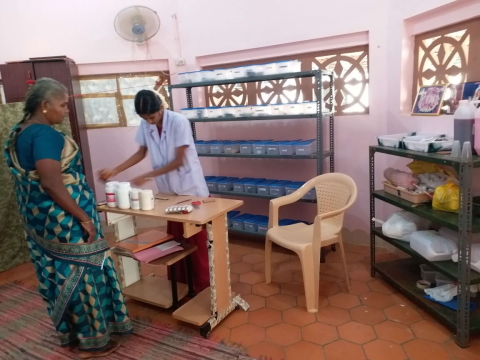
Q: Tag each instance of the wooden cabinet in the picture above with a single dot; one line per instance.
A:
(15, 78)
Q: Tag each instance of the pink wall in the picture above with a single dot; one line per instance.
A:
(217, 31)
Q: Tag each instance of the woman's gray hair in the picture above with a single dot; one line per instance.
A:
(43, 89)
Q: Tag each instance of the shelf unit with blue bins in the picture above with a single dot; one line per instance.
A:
(320, 154)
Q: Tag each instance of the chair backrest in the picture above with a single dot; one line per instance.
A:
(334, 191)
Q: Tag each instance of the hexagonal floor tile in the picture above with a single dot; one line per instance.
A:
(402, 300)
(356, 332)
(265, 290)
(220, 333)
(256, 302)
(381, 350)
(322, 301)
(284, 334)
(298, 316)
(470, 353)
(241, 288)
(292, 265)
(344, 301)
(254, 258)
(361, 275)
(381, 287)
(419, 349)
(394, 332)
(403, 314)
(367, 315)
(282, 277)
(432, 331)
(304, 351)
(234, 278)
(265, 317)
(235, 319)
(241, 268)
(266, 350)
(343, 350)
(252, 278)
(292, 288)
(333, 316)
(328, 288)
(247, 335)
(356, 287)
(377, 300)
(281, 302)
(352, 257)
(234, 258)
(320, 333)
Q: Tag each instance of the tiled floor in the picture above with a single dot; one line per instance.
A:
(372, 321)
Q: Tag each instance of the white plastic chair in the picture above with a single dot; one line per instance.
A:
(335, 194)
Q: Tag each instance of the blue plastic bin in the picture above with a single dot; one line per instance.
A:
(263, 187)
(251, 185)
(262, 225)
(273, 148)
(260, 147)
(286, 222)
(213, 182)
(239, 185)
(238, 222)
(232, 147)
(278, 188)
(252, 223)
(306, 147)
(292, 187)
(226, 184)
(246, 147)
(287, 148)
(202, 146)
(230, 216)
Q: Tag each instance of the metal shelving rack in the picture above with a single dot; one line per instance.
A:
(404, 273)
(320, 154)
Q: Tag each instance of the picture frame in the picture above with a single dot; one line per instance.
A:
(429, 100)
(471, 91)
(451, 98)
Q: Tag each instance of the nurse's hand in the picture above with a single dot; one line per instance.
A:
(139, 181)
(107, 174)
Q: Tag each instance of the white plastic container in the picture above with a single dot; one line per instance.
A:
(242, 111)
(123, 195)
(253, 70)
(222, 74)
(427, 273)
(192, 113)
(196, 76)
(228, 112)
(309, 107)
(442, 280)
(294, 109)
(207, 75)
(422, 143)
(147, 200)
(135, 199)
(239, 72)
(270, 69)
(288, 66)
(279, 109)
(394, 140)
(184, 78)
(214, 112)
(262, 110)
(474, 257)
(110, 193)
(432, 246)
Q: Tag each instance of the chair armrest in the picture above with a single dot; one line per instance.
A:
(275, 204)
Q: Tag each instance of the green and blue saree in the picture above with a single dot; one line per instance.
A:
(78, 280)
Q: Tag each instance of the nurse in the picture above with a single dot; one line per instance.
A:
(167, 137)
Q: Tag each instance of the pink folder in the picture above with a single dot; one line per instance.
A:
(155, 253)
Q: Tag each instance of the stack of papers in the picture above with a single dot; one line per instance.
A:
(157, 252)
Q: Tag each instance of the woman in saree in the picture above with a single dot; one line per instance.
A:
(77, 277)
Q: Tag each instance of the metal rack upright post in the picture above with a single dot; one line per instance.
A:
(404, 273)
(320, 154)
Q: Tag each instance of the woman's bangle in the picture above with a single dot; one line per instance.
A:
(86, 222)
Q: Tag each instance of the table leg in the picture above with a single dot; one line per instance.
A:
(191, 291)
(173, 281)
(221, 299)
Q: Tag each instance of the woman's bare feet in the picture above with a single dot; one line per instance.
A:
(112, 346)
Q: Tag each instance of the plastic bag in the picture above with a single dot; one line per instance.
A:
(432, 246)
(402, 224)
(443, 293)
(422, 167)
(446, 197)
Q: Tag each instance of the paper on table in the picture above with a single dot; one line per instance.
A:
(167, 245)
(155, 253)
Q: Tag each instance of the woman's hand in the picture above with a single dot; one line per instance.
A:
(89, 228)
(141, 180)
(107, 174)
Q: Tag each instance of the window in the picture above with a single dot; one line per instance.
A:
(108, 99)
(350, 86)
(443, 56)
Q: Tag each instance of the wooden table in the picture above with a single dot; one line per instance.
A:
(213, 304)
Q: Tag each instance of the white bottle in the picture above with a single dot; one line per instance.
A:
(135, 199)
(110, 193)
(123, 196)
(147, 200)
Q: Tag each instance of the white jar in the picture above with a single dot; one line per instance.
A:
(123, 195)
(135, 199)
(110, 193)
(147, 200)
(270, 69)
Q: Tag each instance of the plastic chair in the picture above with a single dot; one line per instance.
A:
(335, 194)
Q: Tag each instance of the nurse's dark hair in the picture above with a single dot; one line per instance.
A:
(43, 89)
(147, 102)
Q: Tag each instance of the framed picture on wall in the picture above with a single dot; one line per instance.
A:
(471, 91)
(452, 97)
(429, 100)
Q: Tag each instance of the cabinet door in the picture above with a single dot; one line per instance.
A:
(15, 78)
